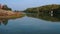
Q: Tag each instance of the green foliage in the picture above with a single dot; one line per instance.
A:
(44, 12)
(5, 7)
(43, 8)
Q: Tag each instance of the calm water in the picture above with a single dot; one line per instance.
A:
(28, 25)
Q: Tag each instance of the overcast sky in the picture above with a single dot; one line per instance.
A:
(23, 4)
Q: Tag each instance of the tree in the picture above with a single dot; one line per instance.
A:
(5, 7)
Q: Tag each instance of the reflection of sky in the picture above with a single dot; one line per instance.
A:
(23, 4)
(27, 25)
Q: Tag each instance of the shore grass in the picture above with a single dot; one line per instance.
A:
(13, 16)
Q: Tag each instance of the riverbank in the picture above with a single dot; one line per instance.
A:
(10, 14)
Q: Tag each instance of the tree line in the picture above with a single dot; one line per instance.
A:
(46, 8)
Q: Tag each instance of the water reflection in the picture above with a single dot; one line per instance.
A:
(44, 16)
(3, 21)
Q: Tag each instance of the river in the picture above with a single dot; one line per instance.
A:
(29, 25)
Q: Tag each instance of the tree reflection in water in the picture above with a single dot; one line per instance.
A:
(45, 16)
(3, 21)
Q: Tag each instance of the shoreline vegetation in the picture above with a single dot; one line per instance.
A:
(10, 14)
(44, 12)
(7, 13)
(45, 8)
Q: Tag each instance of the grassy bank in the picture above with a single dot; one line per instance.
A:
(13, 16)
(10, 14)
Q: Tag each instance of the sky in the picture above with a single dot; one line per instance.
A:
(24, 4)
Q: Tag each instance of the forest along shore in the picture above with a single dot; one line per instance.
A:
(10, 14)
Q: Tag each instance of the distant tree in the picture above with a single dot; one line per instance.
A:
(5, 7)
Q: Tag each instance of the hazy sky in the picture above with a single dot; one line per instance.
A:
(23, 4)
